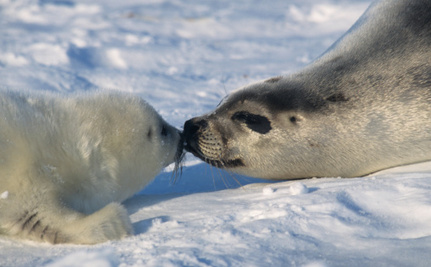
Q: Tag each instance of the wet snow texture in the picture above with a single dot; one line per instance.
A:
(183, 57)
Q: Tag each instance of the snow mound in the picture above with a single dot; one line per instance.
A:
(102, 258)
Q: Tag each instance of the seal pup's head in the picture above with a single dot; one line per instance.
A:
(137, 142)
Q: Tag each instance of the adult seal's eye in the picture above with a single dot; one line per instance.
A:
(254, 122)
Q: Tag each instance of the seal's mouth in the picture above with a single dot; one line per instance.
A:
(219, 163)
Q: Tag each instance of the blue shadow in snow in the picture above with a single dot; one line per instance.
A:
(197, 179)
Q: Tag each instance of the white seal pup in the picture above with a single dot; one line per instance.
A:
(363, 106)
(66, 163)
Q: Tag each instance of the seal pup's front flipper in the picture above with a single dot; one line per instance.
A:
(55, 223)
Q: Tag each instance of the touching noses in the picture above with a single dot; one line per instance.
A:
(192, 128)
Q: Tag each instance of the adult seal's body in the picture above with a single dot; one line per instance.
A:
(363, 106)
(67, 162)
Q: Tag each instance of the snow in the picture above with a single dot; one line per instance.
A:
(102, 258)
(183, 57)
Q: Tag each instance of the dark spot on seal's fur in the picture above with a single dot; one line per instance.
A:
(417, 17)
(421, 76)
(273, 80)
(27, 221)
(234, 163)
(313, 144)
(35, 226)
(290, 98)
(254, 122)
(224, 140)
(44, 232)
(338, 97)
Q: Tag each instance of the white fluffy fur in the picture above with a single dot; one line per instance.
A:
(66, 163)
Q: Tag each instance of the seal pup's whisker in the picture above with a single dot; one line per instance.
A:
(178, 160)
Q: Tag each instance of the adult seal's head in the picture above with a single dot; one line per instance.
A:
(363, 106)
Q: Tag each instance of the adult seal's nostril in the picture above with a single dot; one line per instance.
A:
(189, 129)
(192, 127)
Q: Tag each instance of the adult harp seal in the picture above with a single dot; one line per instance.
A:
(363, 106)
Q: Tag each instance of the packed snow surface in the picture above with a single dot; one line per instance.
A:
(183, 57)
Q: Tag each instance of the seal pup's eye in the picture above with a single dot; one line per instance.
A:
(254, 122)
(149, 133)
(164, 131)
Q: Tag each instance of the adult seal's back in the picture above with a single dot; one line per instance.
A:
(363, 106)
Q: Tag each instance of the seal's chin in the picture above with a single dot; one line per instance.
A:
(220, 163)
